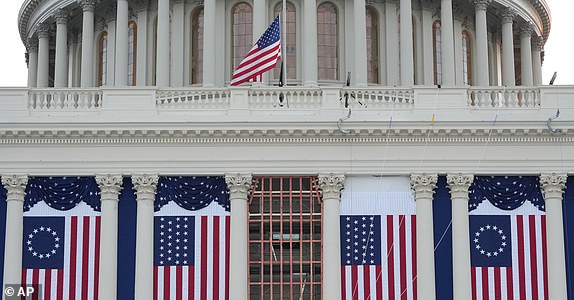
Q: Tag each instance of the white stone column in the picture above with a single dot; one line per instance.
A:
(309, 59)
(43, 55)
(481, 61)
(121, 58)
(508, 76)
(177, 42)
(536, 61)
(61, 61)
(162, 66)
(239, 186)
(423, 186)
(32, 48)
(331, 186)
(392, 49)
(447, 43)
(15, 187)
(209, 42)
(140, 7)
(406, 41)
(360, 43)
(87, 73)
(552, 186)
(459, 185)
(428, 66)
(526, 55)
(110, 187)
(145, 187)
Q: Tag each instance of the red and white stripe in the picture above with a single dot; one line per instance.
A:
(256, 62)
(528, 276)
(208, 278)
(396, 278)
(79, 278)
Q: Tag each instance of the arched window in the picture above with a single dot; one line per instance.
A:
(290, 45)
(437, 53)
(372, 45)
(241, 32)
(466, 58)
(102, 58)
(197, 45)
(132, 50)
(328, 40)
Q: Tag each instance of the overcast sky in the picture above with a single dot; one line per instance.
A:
(559, 47)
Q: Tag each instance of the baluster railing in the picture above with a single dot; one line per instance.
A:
(69, 99)
(503, 97)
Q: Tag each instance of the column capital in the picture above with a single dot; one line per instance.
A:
(331, 185)
(552, 185)
(481, 4)
(239, 185)
(43, 31)
(62, 16)
(508, 15)
(110, 186)
(15, 186)
(145, 186)
(87, 5)
(423, 185)
(459, 184)
(536, 43)
(32, 45)
(526, 30)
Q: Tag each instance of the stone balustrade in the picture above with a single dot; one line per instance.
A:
(504, 97)
(65, 99)
(193, 98)
(375, 98)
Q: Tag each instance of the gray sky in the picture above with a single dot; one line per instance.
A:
(558, 56)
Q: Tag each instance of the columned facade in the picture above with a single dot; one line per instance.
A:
(61, 63)
(121, 44)
(482, 69)
(15, 186)
(331, 186)
(553, 185)
(145, 188)
(43, 55)
(459, 185)
(423, 186)
(163, 44)
(406, 41)
(87, 75)
(526, 55)
(447, 40)
(508, 74)
(239, 186)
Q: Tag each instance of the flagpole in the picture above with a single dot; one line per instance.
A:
(284, 42)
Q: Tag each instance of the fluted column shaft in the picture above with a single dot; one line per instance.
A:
(423, 186)
(310, 66)
(459, 185)
(447, 43)
(61, 61)
(15, 187)
(239, 186)
(526, 55)
(552, 186)
(110, 187)
(32, 64)
(536, 62)
(145, 187)
(87, 73)
(209, 42)
(481, 42)
(43, 56)
(508, 75)
(360, 68)
(331, 186)
(121, 66)
(162, 48)
(406, 41)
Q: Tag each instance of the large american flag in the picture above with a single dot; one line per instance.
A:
(261, 58)
(61, 253)
(378, 241)
(191, 256)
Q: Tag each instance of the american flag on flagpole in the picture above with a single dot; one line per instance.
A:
(261, 58)
(62, 255)
(191, 257)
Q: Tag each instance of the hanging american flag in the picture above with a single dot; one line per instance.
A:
(261, 58)
(508, 247)
(378, 242)
(62, 255)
